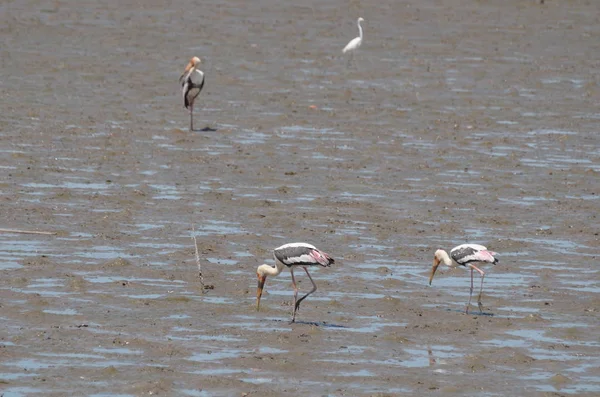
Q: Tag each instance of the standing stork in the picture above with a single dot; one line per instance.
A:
(292, 255)
(192, 81)
(465, 255)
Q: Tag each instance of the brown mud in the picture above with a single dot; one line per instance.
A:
(458, 121)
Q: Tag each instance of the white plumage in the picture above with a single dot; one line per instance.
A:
(356, 42)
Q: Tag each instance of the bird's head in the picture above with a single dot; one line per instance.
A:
(361, 19)
(195, 61)
(262, 278)
(436, 262)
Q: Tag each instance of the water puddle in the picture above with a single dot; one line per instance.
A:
(22, 391)
(65, 312)
(382, 164)
(195, 393)
(117, 350)
(215, 355)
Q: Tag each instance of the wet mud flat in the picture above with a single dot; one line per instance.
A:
(459, 121)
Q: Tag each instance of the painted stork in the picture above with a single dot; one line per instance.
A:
(467, 255)
(292, 255)
(192, 81)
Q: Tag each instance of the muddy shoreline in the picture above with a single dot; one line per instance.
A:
(460, 121)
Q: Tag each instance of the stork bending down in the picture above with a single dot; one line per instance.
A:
(467, 255)
(292, 255)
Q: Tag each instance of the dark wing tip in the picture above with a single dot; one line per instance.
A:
(330, 260)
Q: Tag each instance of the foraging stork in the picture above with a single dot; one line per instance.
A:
(192, 81)
(465, 255)
(292, 255)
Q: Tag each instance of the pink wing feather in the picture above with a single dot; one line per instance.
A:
(321, 258)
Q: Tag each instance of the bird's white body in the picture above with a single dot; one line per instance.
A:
(292, 255)
(468, 255)
(356, 42)
(192, 82)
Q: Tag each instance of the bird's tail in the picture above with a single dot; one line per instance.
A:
(323, 258)
(330, 260)
(496, 260)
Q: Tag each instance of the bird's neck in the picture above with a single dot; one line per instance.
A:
(360, 33)
(267, 270)
(445, 258)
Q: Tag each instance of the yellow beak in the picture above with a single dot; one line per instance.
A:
(259, 290)
(436, 263)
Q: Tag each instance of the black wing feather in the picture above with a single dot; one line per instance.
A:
(283, 255)
(191, 90)
(464, 255)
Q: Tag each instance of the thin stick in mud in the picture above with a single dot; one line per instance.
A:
(198, 260)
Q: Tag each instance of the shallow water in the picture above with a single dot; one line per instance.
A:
(457, 122)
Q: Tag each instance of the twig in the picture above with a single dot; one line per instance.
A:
(25, 231)
(198, 259)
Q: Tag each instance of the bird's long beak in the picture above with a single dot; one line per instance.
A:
(436, 263)
(259, 290)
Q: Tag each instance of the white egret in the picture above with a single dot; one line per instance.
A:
(356, 42)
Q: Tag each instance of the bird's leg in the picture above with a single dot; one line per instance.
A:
(481, 287)
(192, 117)
(354, 59)
(470, 292)
(314, 288)
(295, 294)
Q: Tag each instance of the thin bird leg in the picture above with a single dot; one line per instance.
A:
(354, 59)
(192, 117)
(470, 292)
(473, 267)
(309, 292)
(295, 294)
(351, 59)
(480, 288)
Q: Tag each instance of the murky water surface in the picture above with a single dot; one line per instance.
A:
(455, 122)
